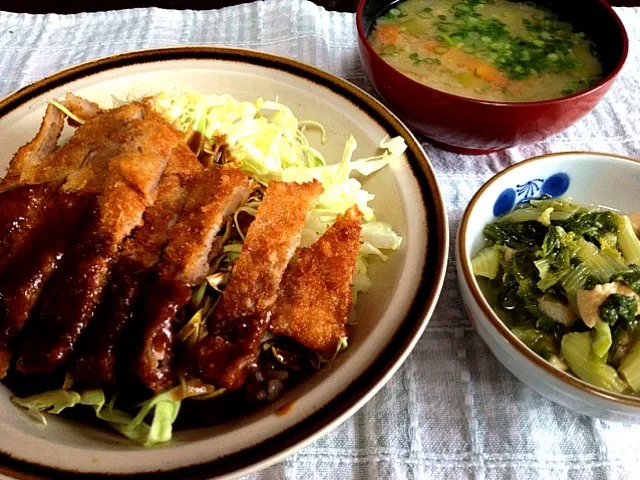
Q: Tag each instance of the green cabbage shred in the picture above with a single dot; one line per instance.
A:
(163, 409)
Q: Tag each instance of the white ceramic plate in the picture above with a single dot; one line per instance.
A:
(391, 317)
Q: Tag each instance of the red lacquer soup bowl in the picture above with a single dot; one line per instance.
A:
(467, 125)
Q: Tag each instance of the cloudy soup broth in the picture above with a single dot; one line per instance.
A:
(495, 50)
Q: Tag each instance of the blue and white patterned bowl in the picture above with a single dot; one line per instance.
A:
(587, 178)
(555, 185)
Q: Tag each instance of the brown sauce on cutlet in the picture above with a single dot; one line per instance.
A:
(97, 350)
(22, 208)
(62, 311)
(229, 350)
(163, 300)
(267, 381)
(17, 203)
(22, 279)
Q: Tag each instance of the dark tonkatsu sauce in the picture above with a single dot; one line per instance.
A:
(67, 302)
(97, 353)
(267, 381)
(22, 209)
(22, 279)
(230, 349)
(162, 301)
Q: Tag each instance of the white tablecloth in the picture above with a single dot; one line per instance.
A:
(452, 411)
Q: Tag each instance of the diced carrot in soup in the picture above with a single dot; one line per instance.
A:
(388, 34)
(479, 67)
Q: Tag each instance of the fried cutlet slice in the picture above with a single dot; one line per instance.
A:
(68, 303)
(81, 107)
(22, 205)
(315, 295)
(146, 244)
(215, 195)
(147, 135)
(33, 177)
(88, 139)
(82, 161)
(22, 278)
(24, 274)
(96, 353)
(29, 156)
(96, 143)
(25, 207)
(21, 208)
(242, 317)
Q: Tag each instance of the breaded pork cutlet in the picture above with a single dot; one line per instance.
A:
(22, 206)
(214, 196)
(21, 209)
(21, 202)
(242, 316)
(36, 220)
(30, 165)
(33, 177)
(25, 162)
(22, 279)
(81, 107)
(315, 295)
(130, 128)
(216, 193)
(68, 302)
(91, 138)
(96, 353)
(147, 135)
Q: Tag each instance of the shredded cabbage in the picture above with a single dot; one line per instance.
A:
(56, 401)
(265, 139)
(163, 409)
(264, 136)
(380, 235)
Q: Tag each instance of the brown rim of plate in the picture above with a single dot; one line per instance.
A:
(602, 83)
(415, 318)
(498, 324)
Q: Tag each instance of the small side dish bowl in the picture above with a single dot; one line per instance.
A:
(471, 126)
(578, 176)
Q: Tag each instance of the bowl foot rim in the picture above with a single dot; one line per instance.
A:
(463, 150)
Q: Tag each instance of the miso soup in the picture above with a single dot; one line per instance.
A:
(497, 50)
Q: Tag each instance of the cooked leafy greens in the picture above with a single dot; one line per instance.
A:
(619, 307)
(566, 280)
(631, 277)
